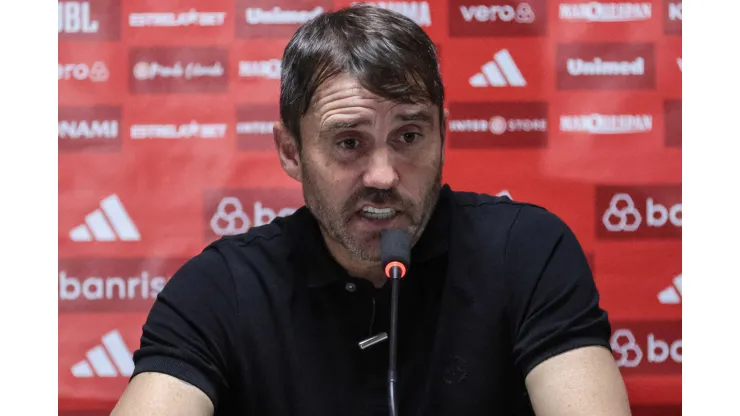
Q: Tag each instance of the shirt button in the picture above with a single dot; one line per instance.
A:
(350, 287)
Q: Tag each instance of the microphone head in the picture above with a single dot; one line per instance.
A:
(395, 246)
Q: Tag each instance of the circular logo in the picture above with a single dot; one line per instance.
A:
(80, 72)
(230, 217)
(623, 209)
(99, 72)
(497, 125)
(624, 345)
(524, 13)
(141, 71)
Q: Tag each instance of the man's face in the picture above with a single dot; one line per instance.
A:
(368, 164)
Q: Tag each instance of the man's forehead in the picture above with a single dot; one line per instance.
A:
(343, 91)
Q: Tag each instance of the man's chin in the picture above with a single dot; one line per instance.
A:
(367, 251)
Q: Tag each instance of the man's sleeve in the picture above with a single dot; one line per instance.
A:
(191, 327)
(555, 303)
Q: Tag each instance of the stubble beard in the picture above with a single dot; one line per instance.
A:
(335, 223)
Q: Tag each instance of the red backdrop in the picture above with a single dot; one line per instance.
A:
(165, 113)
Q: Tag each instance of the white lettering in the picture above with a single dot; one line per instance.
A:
(658, 215)
(606, 12)
(527, 125)
(506, 13)
(196, 70)
(151, 70)
(110, 287)
(190, 18)
(659, 350)
(488, 13)
(254, 127)
(74, 17)
(597, 67)
(276, 15)
(607, 123)
(468, 125)
(80, 72)
(95, 129)
(263, 215)
(262, 69)
(182, 131)
(498, 125)
(675, 11)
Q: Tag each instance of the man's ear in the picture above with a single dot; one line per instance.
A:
(287, 148)
(443, 131)
(443, 126)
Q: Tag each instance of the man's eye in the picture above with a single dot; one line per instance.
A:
(349, 143)
(409, 138)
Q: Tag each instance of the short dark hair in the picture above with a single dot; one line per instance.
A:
(389, 54)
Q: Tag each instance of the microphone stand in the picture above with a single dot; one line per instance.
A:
(395, 287)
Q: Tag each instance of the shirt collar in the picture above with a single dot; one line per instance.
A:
(320, 269)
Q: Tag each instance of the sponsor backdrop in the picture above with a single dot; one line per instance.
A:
(165, 114)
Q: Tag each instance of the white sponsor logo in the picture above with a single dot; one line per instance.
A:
(418, 11)
(498, 125)
(523, 13)
(623, 215)
(74, 17)
(84, 129)
(630, 353)
(190, 18)
(675, 11)
(254, 127)
(269, 69)
(141, 286)
(192, 130)
(673, 293)
(607, 123)
(278, 16)
(606, 12)
(97, 72)
(504, 192)
(679, 61)
(150, 70)
(230, 217)
(110, 222)
(598, 67)
(98, 363)
(501, 72)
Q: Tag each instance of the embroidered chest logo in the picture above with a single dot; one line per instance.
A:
(456, 370)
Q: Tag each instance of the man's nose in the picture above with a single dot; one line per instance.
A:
(380, 172)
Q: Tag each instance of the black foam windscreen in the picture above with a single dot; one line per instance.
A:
(395, 245)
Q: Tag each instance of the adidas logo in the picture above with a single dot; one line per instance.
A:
(111, 359)
(501, 72)
(672, 294)
(110, 222)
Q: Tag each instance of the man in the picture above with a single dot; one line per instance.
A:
(498, 313)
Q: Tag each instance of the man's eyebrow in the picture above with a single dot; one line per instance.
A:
(421, 115)
(336, 125)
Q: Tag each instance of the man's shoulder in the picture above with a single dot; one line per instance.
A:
(271, 240)
(500, 211)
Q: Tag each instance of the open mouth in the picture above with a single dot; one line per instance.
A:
(373, 213)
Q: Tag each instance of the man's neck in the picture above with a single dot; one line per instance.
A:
(371, 271)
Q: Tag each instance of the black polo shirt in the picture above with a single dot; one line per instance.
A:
(267, 323)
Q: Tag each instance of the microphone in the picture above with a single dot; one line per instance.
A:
(395, 253)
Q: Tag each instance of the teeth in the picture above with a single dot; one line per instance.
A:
(378, 213)
(377, 210)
